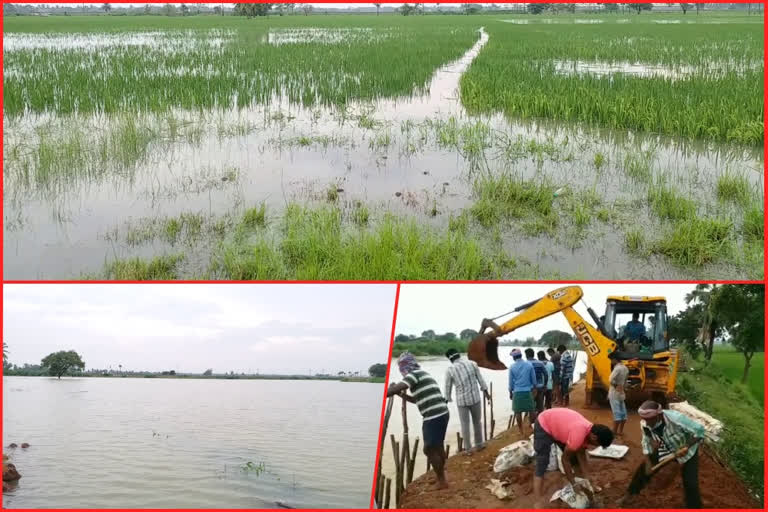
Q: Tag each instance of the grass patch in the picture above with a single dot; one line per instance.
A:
(666, 204)
(428, 347)
(255, 217)
(634, 241)
(695, 242)
(161, 268)
(735, 188)
(316, 244)
(638, 166)
(752, 228)
(504, 197)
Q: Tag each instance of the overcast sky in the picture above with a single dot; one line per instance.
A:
(455, 307)
(286, 328)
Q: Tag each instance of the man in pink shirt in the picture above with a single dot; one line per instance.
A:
(573, 433)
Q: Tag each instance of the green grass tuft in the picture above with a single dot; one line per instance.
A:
(161, 268)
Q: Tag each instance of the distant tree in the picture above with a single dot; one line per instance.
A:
(217, 10)
(684, 328)
(610, 7)
(307, 8)
(5, 353)
(449, 336)
(740, 309)
(640, 7)
(471, 8)
(184, 9)
(467, 334)
(172, 372)
(378, 370)
(554, 338)
(406, 9)
(107, 8)
(251, 10)
(121, 368)
(402, 338)
(537, 8)
(685, 7)
(169, 10)
(208, 372)
(705, 294)
(341, 374)
(428, 334)
(59, 363)
(147, 9)
(699, 7)
(378, 8)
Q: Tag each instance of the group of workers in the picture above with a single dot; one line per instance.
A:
(536, 384)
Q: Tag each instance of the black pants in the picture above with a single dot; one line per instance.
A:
(690, 474)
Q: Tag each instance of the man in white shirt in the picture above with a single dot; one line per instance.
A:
(465, 375)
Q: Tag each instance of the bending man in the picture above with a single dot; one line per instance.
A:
(573, 433)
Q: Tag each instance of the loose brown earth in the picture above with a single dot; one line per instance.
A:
(468, 476)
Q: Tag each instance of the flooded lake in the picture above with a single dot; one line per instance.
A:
(164, 443)
(437, 366)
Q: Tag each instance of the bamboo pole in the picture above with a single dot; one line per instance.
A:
(412, 462)
(379, 477)
(387, 492)
(485, 422)
(493, 421)
(405, 450)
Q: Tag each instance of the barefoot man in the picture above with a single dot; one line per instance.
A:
(425, 393)
(573, 433)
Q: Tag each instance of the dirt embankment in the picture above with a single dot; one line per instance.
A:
(468, 476)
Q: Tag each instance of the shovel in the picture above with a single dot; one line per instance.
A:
(641, 478)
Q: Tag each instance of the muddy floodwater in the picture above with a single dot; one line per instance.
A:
(162, 443)
(437, 366)
(416, 156)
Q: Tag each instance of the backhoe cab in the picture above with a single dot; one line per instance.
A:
(632, 330)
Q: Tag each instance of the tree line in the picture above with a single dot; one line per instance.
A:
(730, 313)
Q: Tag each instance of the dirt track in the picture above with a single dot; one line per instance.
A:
(468, 476)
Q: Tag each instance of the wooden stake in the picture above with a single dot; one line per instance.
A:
(459, 442)
(412, 462)
(493, 422)
(387, 493)
(485, 422)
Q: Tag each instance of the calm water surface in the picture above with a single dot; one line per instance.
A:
(146, 443)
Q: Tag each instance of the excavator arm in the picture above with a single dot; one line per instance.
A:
(484, 348)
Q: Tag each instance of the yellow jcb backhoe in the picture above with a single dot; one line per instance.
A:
(643, 349)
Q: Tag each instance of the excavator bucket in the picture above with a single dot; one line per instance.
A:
(484, 350)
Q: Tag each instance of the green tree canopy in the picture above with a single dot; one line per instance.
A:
(740, 309)
(554, 338)
(59, 363)
(468, 334)
(378, 370)
(252, 10)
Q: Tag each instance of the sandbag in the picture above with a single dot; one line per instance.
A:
(572, 498)
(712, 425)
(518, 453)
(501, 490)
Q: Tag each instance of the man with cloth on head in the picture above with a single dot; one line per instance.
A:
(466, 376)
(522, 385)
(669, 433)
(425, 393)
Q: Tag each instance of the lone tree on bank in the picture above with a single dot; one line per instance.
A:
(378, 370)
(59, 363)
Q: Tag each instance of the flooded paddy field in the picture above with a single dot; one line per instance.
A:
(325, 147)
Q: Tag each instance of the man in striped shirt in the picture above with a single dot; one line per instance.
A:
(566, 374)
(425, 393)
(665, 433)
(465, 375)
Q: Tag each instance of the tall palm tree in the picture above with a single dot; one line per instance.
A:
(5, 353)
(705, 295)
